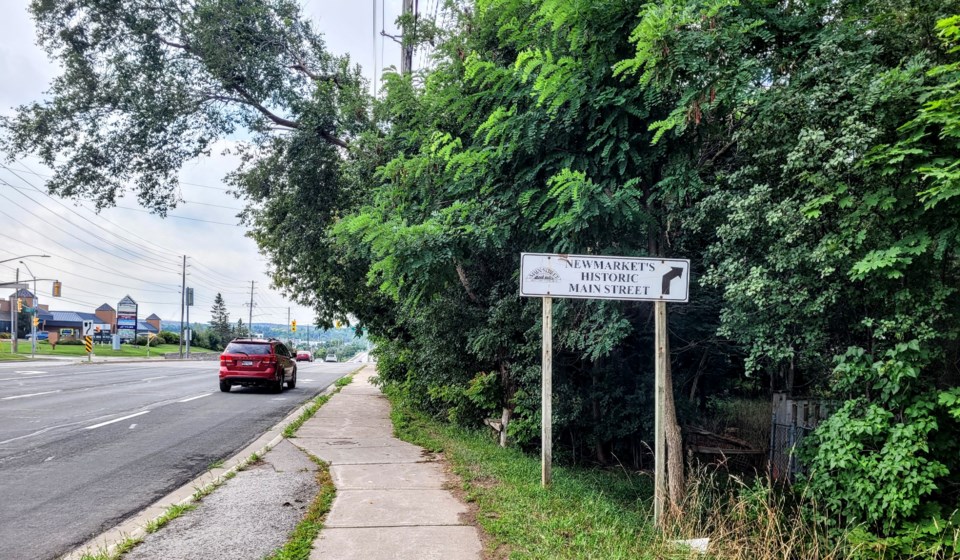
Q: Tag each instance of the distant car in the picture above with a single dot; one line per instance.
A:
(42, 335)
(304, 356)
(257, 363)
(331, 357)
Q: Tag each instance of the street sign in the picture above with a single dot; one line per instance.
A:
(549, 275)
(603, 277)
(87, 328)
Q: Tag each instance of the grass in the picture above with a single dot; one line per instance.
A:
(126, 350)
(586, 513)
(595, 513)
(172, 513)
(123, 547)
(300, 543)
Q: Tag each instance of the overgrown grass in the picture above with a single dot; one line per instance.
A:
(587, 513)
(300, 543)
(291, 430)
(600, 513)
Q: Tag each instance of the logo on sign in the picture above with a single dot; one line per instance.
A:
(543, 274)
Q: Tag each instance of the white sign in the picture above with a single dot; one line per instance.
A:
(603, 277)
(87, 328)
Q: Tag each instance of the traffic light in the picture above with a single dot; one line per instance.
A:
(293, 325)
(19, 305)
(36, 321)
(56, 288)
(336, 324)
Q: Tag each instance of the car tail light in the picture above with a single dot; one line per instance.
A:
(269, 359)
(224, 360)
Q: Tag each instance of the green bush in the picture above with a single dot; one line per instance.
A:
(4, 336)
(70, 343)
(169, 337)
(142, 341)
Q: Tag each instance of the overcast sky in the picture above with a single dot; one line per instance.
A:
(137, 253)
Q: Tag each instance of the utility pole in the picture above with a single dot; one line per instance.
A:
(406, 55)
(183, 301)
(189, 330)
(289, 333)
(250, 317)
(13, 313)
(33, 321)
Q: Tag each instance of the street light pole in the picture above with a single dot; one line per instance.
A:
(33, 322)
(22, 257)
(13, 312)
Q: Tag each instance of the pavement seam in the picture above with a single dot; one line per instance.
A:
(134, 528)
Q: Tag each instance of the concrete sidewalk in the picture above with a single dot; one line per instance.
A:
(391, 502)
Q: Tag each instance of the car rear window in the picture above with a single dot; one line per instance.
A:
(249, 348)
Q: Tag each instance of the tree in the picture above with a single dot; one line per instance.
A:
(150, 85)
(220, 321)
(241, 330)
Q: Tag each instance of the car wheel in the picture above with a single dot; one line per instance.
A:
(225, 387)
(293, 380)
(278, 384)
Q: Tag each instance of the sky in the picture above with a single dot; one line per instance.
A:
(130, 251)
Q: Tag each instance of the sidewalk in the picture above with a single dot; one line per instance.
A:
(391, 502)
(391, 498)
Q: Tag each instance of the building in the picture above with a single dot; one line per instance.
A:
(68, 324)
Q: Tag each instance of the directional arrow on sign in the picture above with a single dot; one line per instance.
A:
(674, 273)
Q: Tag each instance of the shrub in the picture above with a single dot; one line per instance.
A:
(169, 337)
(142, 341)
(4, 336)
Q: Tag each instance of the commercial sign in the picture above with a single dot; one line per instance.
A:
(603, 277)
(127, 319)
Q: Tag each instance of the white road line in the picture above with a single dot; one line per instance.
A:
(132, 426)
(152, 378)
(30, 372)
(101, 424)
(30, 395)
(50, 458)
(197, 397)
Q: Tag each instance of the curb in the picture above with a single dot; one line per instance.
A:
(134, 527)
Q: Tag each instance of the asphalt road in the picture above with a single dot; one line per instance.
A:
(83, 447)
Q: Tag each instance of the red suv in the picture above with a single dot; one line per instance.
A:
(257, 362)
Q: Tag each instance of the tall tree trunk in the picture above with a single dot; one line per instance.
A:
(675, 478)
(508, 392)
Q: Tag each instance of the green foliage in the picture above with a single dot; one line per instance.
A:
(168, 337)
(142, 341)
(802, 155)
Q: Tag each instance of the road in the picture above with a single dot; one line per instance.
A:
(82, 447)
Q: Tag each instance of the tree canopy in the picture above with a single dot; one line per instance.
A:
(803, 155)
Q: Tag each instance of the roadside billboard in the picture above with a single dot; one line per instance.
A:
(127, 319)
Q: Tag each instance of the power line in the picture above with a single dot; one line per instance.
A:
(82, 241)
(39, 190)
(83, 264)
(94, 235)
(179, 217)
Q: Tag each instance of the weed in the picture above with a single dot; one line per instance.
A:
(172, 513)
(301, 540)
(123, 547)
(215, 465)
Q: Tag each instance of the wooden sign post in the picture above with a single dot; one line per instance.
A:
(546, 424)
(549, 276)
